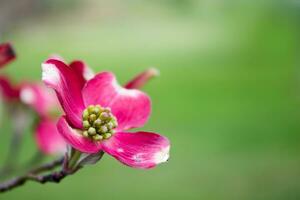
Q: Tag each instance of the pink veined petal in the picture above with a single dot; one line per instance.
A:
(81, 69)
(139, 150)
(48, 139)
(41, 99)
(131, 107)
(7, 54)
(9, 91)
(141, 79)
(84, 72)
(75, 139)
(67, 85)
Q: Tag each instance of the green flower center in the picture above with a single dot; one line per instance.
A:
(98, 123)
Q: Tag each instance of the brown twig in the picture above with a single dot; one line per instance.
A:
(54, 177)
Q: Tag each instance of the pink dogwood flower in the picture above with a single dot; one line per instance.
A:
(98, 113)
(7, 54)
(48, 139)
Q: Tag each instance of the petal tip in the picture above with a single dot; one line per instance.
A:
(154, 71)
(143, 150)
(162, 156)
(50, 74)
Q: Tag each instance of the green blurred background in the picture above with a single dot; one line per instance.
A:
(228, 94)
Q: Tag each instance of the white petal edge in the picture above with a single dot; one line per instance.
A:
(50, 74)
(124, 91)
(88, 73)
(162, 156)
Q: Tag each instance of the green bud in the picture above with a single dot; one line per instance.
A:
(93, 117)
(106, 135)
(114, 121)
(96, 111)
(97, 137)
(103, 129)
(108, 110)
(97, 123)
(91, 108)
(86, 124)
(92, 131)
(100, 108)
(85, 114)
(110, 125)
(104, 116)
(85, 134)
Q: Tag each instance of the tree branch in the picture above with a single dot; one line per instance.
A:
(54, 177)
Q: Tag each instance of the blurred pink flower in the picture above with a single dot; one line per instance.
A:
(7, 54)
(44, 102)
(41, 99)
(98, 114)
(47, 137)
(10, 92)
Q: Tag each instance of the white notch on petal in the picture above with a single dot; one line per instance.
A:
(124, 91)
(162, 155)
(27, 95)
(50, 74)
(88, 73)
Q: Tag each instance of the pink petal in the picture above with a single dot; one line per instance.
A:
(84, 72)
(48, 139)
(67, 85)
(75, 139)
(140, 80)
(41, 99)
(131, 107)
(7, 54)
(140, 150)
(8, 90)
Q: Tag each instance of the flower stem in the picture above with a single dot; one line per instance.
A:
(52, 177)
(74, 158)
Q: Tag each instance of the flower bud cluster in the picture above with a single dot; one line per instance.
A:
(98, 123)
